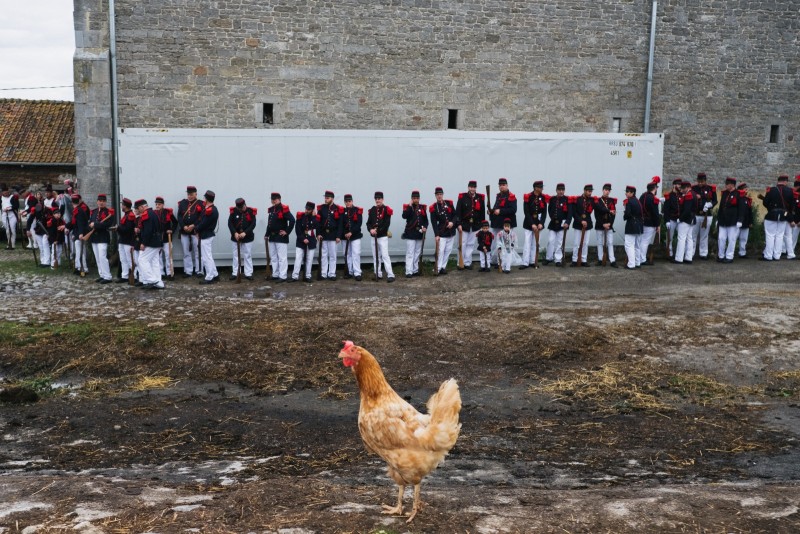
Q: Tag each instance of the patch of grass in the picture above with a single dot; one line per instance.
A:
(25, 334)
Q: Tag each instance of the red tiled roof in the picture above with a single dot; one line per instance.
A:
(37, 131)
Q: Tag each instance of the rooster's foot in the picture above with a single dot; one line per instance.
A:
(392, 510)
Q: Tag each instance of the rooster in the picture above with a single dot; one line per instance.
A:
(411, 443)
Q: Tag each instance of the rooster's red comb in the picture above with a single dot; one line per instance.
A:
(348, 345)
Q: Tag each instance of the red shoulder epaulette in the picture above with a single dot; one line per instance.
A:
(405, 206)
(612, 200)
(572, 200)
(318, 217)
(361, 211)
(145, 215)
(341, 209)
(526, 197)
(110, 211)
(449, 203)
(208, 210)
(713, 188)
(480, 195)
(389, 210)
(319, 206)
(254, 210)
(547, 198)
(512, 197)
(233, 208)
(300, 214)
(625, 202)
(131, 216)
(461, 195)
(594, 199)
(169, 210)
(285, 208)
(431, 208)
(656, 200)
(422, 207)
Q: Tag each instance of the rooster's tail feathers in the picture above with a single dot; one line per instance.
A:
(444, 407)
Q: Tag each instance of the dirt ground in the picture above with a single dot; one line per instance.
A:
(665, 399)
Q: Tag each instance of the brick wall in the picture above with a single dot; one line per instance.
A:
(725, 72)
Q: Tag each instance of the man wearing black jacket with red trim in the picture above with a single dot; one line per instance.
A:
(206, 229)
(779, 203)
(149, 231)
(306, 228)
(559, 212)
(126, 232)
(605, 213)
(470, 209)
(280, 223)
(534, 206)
(581, 213)
(671, 211)
(444, 224)
(651, 218)
(241, 224)
(416, 217)
(379, 218)
(730, 219)
(684, 250)
(353, 219)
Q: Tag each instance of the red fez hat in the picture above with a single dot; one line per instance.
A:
(275, 196)
(348, 197)
(630, 189)
(538, 183)
(378, 194)
(329, 194)
(415, 194)
(102, 197)
(730, 180)
(191, 189)
(502, 181)
(127, 202)
(607, 186)
(439, 190)
(139, 203)
(159, 200)
(472, 183)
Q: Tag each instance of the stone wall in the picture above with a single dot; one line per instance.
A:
(725, 72)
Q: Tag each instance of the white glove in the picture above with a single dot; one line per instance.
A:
(707, 206)
(738, 225)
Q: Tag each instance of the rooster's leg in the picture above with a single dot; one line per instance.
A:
(417, 504)
(397, 510)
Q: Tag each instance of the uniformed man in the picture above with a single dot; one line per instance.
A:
(206, 230)
(379, 218)
(747, 224)
(793, 223)
(150, 234)
(166, 218)
(705, 196)
(351, 229)
(100, 220)
(36, 232)
(306, 228)
(633, 227)
(126, 232)
(730, 219)
(605, 212)
(10, 210)
(779, 204)
(190, 211)
(534, 206)
(651, 219)
(671, 210)
(55, 235)
(444, 223)
(280, 223)
(331, 219)
(470, 208)
(684, 249)
(241, 225)
(484, 239)
(559, 212)
(504, 207)
(581, 215)
(416, 217)
(80, 227)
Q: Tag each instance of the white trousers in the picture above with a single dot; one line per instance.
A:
(584, 253)
(207, 257)
(383, 252)
(648, 235)
(278, 258)
(80, 256)
(191, 258)
(684, 250)
(329, 259)
(486, 260)
(774, 231)
(672, 227)
(353, 258)
(726, 241)
(413, 252)
(150, 265)
(445, 248)
(790, 240)
(744, 233)
(100, 251)
(554, 246)
(163, 259)
(632, 245)
(468, 242)
(125, 260)
(700, 234)
(10, 222)
(43, 242)
(300, 259)
(529, 251)
(55, 249)
(247, 258)
(609, 237)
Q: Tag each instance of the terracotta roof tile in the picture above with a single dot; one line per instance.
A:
(37, 131)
